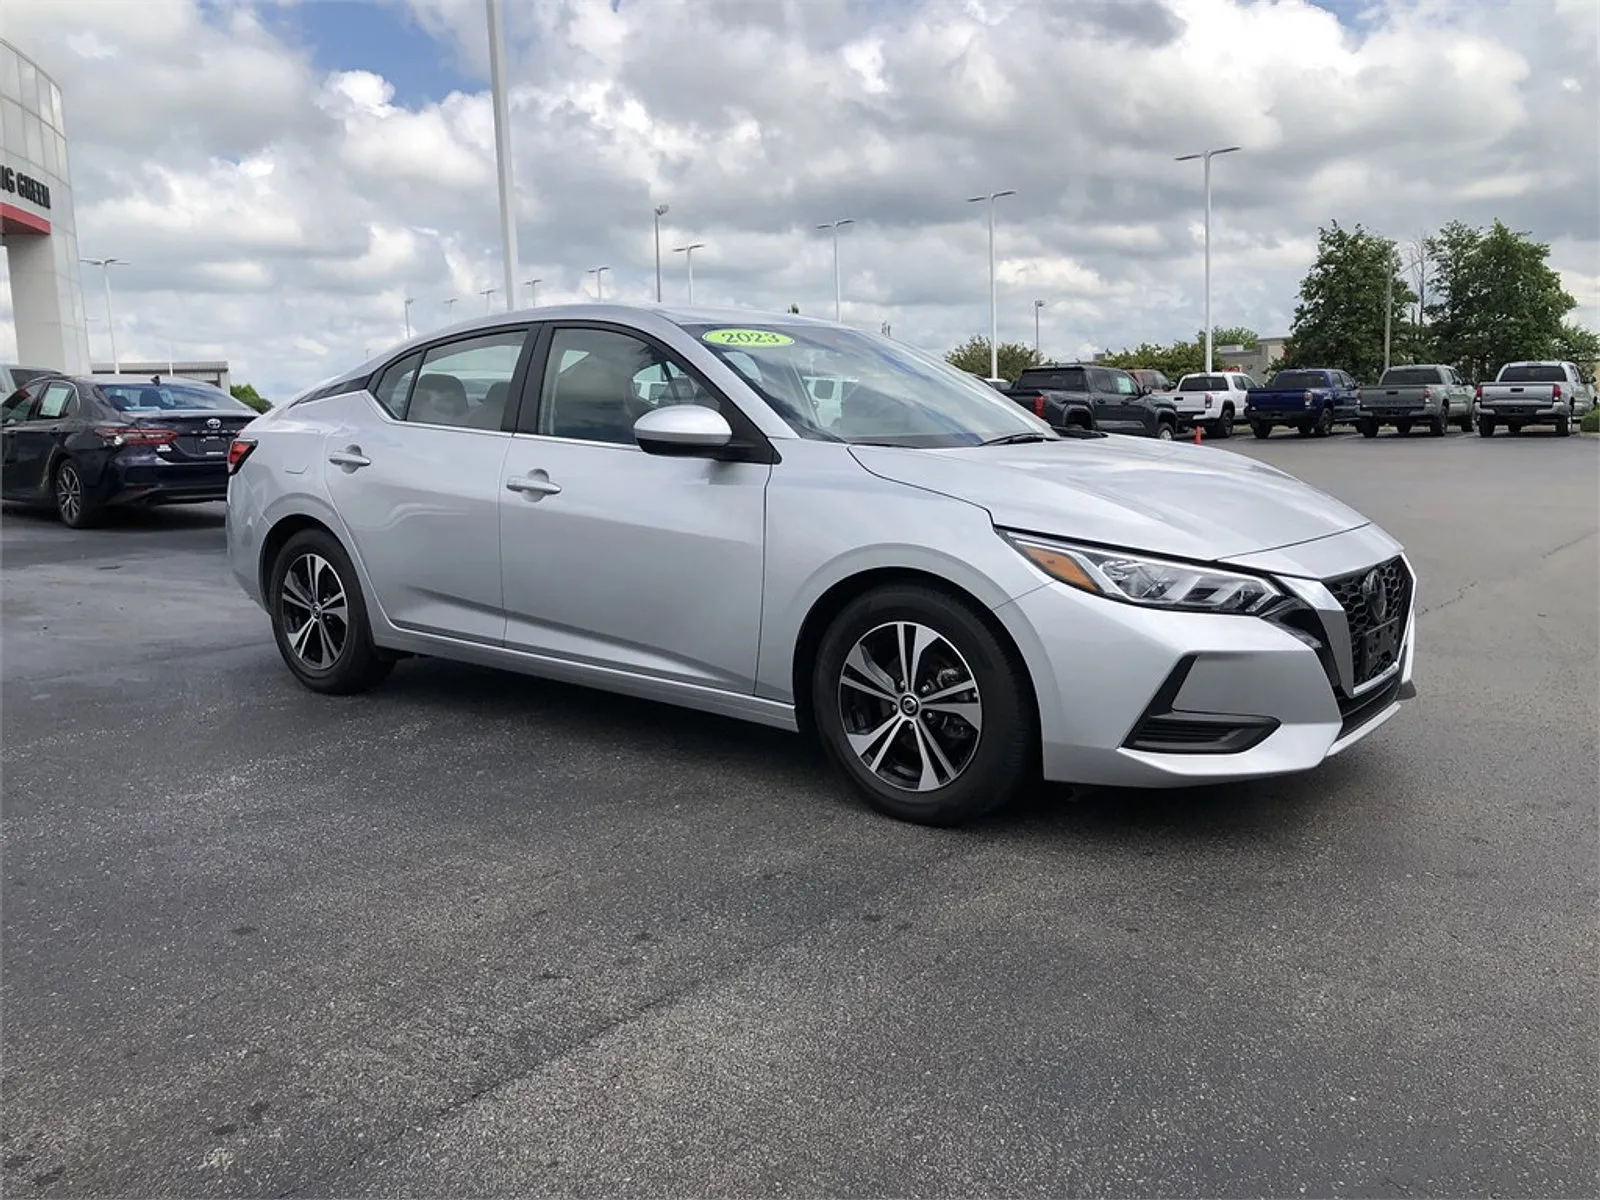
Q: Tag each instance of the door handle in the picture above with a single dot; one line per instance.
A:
(537, 485)
(351, 457)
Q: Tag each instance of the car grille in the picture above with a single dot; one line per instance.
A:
(1368, 610)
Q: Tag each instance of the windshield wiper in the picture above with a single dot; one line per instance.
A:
(1016, 439)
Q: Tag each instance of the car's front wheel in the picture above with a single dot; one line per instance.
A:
(924, 707)
(319, 617)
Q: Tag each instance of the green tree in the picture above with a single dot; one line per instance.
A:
(244, 393)
(1183, 358)
(1493, 298)
(973, 355)
(1339, 321)
(1575, 344)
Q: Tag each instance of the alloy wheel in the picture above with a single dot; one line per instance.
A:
(315, 612)
(910, 706)
(69, 493)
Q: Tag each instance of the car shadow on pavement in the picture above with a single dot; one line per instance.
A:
(784, 762)
(158, 517)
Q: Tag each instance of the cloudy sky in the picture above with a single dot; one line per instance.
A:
(281, 175)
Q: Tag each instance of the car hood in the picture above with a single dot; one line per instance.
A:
(1163, 497)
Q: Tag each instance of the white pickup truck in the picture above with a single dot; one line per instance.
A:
(1211, 401)
(1533, 393)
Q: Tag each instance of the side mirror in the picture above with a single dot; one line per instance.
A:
(683, 431)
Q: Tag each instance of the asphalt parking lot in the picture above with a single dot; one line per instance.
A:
(478, 934)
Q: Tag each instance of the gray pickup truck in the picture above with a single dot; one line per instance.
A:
(1534, 393)
(1429, 394)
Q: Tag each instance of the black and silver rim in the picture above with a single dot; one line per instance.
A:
(910, 706)
(314, 611)
(69, 493)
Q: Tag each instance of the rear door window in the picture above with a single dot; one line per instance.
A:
(59, 400)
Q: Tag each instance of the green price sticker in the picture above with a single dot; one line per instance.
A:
(746, 337)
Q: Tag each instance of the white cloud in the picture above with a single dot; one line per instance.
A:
(277, 212)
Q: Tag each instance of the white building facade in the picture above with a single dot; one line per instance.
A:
(36, 223)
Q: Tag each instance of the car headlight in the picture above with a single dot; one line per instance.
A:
(1150, 582)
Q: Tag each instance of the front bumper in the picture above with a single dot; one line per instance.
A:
(1131, 697)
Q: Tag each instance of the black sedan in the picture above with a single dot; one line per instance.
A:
(81, 444)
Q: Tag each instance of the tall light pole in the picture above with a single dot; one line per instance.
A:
(838, 303)
(994, 290)
(533, 291)
(105, 265)
(661, 211)
(502, 148)
(1207, 157)
(1037, 305)
(688, 258)
(450, 309)
(407, 306)
(599, 281)
(487, 295)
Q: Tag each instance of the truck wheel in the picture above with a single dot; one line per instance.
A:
(1563, 427)
(1225, 426)
(1164, 431)
(1485, 427)
(1261, 429)
(1369, 429)
(1324, 425)
(1403, 428)
(1440, 425)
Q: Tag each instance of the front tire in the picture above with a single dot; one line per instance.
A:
(76, 508)
(319, 617)
(922, 707)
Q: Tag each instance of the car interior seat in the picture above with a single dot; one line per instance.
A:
(594, 400)
(438, 400)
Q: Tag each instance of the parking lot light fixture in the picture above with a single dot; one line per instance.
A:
(994, 291)
(688, 258)
(1037, 305)
(502, 147)
(105, 265)
(661, 211)
(487, 294)
(599, 281)
(1207, 156)
(533, 292)
(838, 303)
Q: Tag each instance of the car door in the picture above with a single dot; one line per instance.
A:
(416, 480)
(617, 559)
(1129, 409)
(19, 405)
(34, 439)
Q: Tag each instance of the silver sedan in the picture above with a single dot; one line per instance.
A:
(796, 523)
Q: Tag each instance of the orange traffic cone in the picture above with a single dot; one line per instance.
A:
(1197, 438)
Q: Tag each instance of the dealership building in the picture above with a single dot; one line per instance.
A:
(36, 225)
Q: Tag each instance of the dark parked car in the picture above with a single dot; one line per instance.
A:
(81, 444)
(1311, 402)
(1085, 396)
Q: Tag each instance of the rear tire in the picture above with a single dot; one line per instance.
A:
(1563, 427)
(1485, 427)
(76, 508)
(1324, 425)
(319, 617)
(1225, 425)
(1440, 425)
(1261, 429)
(975, 751)
(1369, 429)
(1403, 428)
(1164, 431)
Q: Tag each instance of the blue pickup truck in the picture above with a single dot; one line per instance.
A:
(1311, 402)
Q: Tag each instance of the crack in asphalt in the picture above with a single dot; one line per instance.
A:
(1461, 593)
(665, 1000)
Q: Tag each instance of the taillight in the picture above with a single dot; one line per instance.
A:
(1308, 398)
(1477, 392)
(1038, 405)
(238, 450)
(136, 435)
(1427, 393)
(1555, 392)
(1208, 399)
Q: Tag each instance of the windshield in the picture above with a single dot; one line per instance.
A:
(877, 392)
(1299, 379)
(170, 397)
(1403, 375)
(1204, 383)
(1533, 375)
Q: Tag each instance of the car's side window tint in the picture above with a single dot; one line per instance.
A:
(1124, 384)
(466, 384)
(58, 401)
(16, 406)
(598, 382)
(394, 385)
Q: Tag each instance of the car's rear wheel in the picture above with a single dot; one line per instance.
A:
(1440, 425)
(319, 617)
(1164, 431)
(1261, 429)
(1368, 429)
(76, 508)
(923, 707)
(1324, 425)
(1225, 425)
